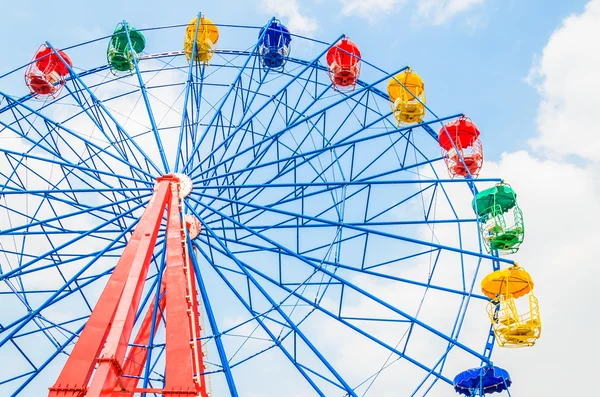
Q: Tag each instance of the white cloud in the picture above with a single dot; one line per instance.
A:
(435, 12)
(560, 204)
(441, 11)
(368, 8)
(290, 12)
(566, 77)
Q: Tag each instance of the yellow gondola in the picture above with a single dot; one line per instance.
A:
(207, 36)
(512, 327)
(407, 97)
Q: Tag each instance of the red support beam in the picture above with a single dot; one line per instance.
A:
(138, 353)
(75, 375)
(196, 344)
(104, 342)
(110, 363)
(178, 372)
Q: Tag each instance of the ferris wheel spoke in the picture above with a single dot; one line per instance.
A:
(313, 304)
(64, 291)
(256, 189)
(213, 324)
(96, 212)
(273, 97)
(187, 125)
(344, 142)
(341, 383)
(33, 374)
(302, 117)
(219, 111)
(79, 283)
(72, 259)
(283, 324)
(20, 166)
(290, 166)
(87, 171)
(364, 229)
(222, 125)
(53, 128)
(71, 241)
(58, 195)
(286, 166)
(245, 104)
(357, 288)
(116, 136)
(12, 190)
(97, 114)
(266, 329)
(143, 90)
(363, 270)
(300, 193)
(347, 323)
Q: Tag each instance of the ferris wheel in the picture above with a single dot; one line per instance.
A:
(225, 219)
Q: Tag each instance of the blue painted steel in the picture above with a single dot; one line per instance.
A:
(157, 137)
(214, 327)
(98, 103)
(301, 192)
(223, 101)
(351, 285)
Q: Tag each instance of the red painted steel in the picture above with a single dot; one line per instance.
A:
(197, 356)
(105, 338)
(136, 358)
(179, 370)
(74, 378)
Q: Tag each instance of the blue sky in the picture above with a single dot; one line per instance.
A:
(474, 61)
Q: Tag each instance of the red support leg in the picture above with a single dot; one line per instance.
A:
(110, 363)
(74, 378)
(178, 372)
(105, 338)
(138, 353)
(196, 346)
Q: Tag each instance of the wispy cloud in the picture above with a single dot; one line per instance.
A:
(567, 78)
(439, 12)
(290, 13)
(434, 12)
(370, 9)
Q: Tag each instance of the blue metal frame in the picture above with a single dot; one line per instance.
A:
(298, 188)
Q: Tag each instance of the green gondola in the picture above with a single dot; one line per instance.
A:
(501, 220)
(119, 55)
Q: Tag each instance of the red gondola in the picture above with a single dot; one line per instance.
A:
(461, 147)
(46, 73)
(343, 61)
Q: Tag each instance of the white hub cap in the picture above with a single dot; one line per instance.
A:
(185, 184)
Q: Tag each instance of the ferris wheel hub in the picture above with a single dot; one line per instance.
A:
(185, 184)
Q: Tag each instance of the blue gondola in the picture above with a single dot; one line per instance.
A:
(275, 46)
(482, 381)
